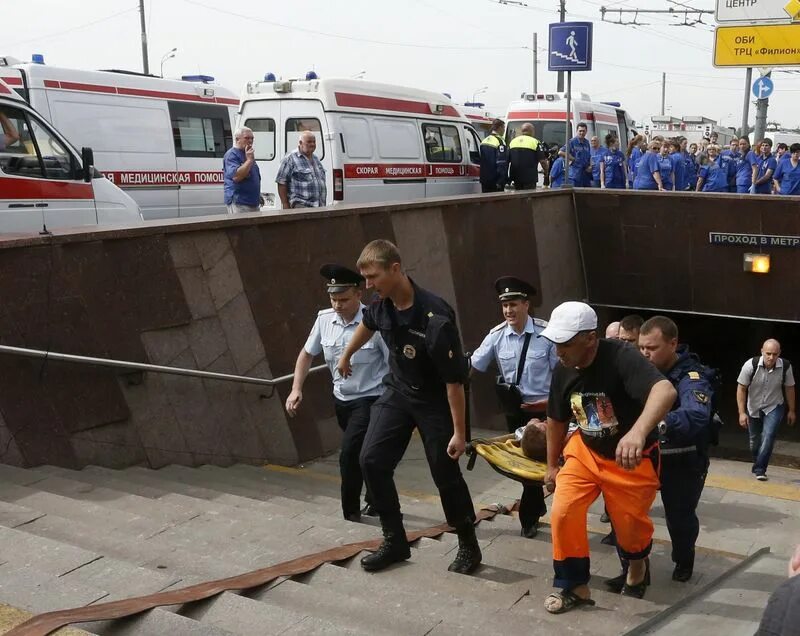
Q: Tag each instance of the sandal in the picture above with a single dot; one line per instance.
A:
(567, 600)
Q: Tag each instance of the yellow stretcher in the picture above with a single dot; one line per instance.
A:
(506, 457)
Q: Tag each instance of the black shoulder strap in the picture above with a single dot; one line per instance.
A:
(754, 362)
(786, 366)
(521, 363)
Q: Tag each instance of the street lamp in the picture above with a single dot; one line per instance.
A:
(167, 56)
(478, 92)
(360, 75)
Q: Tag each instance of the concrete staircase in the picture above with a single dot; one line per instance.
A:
(73, 538)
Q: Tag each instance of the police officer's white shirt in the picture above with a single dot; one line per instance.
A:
(765, 387)
(504, 346)
(330, 335)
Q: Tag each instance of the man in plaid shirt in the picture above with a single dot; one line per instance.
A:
(301, 177)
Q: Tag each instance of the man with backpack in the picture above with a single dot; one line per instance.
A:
(684, 436)
(765, 393)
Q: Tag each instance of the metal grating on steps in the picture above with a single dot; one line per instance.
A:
(44, 624)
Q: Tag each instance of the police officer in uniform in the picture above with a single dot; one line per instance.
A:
(526, 154)
(352, 396)
(526, 363)
(494, 159)
(424, 389)
(684, 436)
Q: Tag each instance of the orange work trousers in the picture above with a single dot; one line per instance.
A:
(628, 495)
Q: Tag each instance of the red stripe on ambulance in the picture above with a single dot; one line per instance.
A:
(36, 189)
(136, 92)
(133, 178)
(354, 100)
(407, 170)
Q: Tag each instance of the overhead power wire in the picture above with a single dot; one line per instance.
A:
(74, 28)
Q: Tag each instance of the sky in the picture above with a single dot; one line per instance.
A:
(469, 48)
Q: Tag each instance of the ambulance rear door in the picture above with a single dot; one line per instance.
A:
(202, 133)
(299, 116)
(606, 123)
(383, 158)
(263, 117)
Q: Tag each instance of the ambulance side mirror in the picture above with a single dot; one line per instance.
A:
(87, 159)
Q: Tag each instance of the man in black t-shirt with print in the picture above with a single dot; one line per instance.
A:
(617, 398)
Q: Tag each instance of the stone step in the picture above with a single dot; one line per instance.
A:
(733, 608)
(35, 591)
(247, 616)
(345, 609)
(13, 617)
(155, 622)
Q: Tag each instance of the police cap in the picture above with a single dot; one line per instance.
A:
(513, 288)
(339, 278)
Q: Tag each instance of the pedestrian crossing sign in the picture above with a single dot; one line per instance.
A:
(570, 47)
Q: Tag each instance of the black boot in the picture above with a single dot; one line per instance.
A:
(469, 554)
(394, 548)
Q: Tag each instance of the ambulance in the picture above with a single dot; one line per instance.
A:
(480, 118)
(45, 183)
(160, 140)
(377, 142)
(548, 114)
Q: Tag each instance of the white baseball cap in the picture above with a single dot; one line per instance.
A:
(569, 319)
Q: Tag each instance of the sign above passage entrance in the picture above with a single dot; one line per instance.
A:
(753, 240)
(753, 46)
(757, 11)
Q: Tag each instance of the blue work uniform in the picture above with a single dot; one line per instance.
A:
(684, 453)
(557, 173)
(744, 171)
(715, 176)
(679, 168)
(788, 176)
(633, 164)
(648, 165)
(596, 157)
(494, 163)
(691, 167)
(353, 396)
(244, 192)
(764, 164)
(731, 157)
(504, 346)
(581, 153)
(666, 168)
(614, 169)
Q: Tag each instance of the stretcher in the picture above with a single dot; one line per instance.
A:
(505, 456)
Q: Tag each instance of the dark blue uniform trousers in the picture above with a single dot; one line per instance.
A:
(392, 422)
(353, 419)
(682, 479)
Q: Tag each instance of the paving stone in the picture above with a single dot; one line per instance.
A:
(155, 622)
(121, 579)
(27, 588)
(22, 549)
(241, 333)
(195, 289)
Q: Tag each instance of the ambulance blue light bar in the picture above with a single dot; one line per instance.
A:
(37, 58)
(197, 78)
(269, 77)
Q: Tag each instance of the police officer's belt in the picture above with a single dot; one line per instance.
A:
(608, 431)
(679, 451)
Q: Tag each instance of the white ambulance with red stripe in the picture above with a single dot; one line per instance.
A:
(44, 183)
(160, 140)
(480, 118)
(377, 142)
(548, 114)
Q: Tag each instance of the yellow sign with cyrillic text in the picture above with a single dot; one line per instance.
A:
(766, 45)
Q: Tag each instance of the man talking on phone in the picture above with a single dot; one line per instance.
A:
(242, 178)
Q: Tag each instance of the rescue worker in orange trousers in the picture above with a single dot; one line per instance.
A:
(617, 398)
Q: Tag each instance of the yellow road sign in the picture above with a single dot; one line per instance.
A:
(764, 45)
(793, 9)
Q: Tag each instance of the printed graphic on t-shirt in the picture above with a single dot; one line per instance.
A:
(593, 411)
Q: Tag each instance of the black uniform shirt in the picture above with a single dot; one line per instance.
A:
(424, 346)
(610, 392)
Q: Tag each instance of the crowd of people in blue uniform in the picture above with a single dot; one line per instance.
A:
(672, 164)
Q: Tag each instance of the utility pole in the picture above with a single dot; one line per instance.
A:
(145, 62)
(748, 82)
(663, 92)
(535, 64)
(761, 117)
(562, 18)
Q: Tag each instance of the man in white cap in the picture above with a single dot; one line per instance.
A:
(617, 398)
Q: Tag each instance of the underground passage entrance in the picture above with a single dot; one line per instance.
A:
(726, 343)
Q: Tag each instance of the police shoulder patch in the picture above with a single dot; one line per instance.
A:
(539, 322)
(700, 397)
(497, 328)
(694, 375)
(322, 312)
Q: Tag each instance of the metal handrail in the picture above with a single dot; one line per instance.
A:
(141, 366)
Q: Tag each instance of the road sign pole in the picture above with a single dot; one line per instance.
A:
(562, 18)
(748, 82)
(567, 130)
